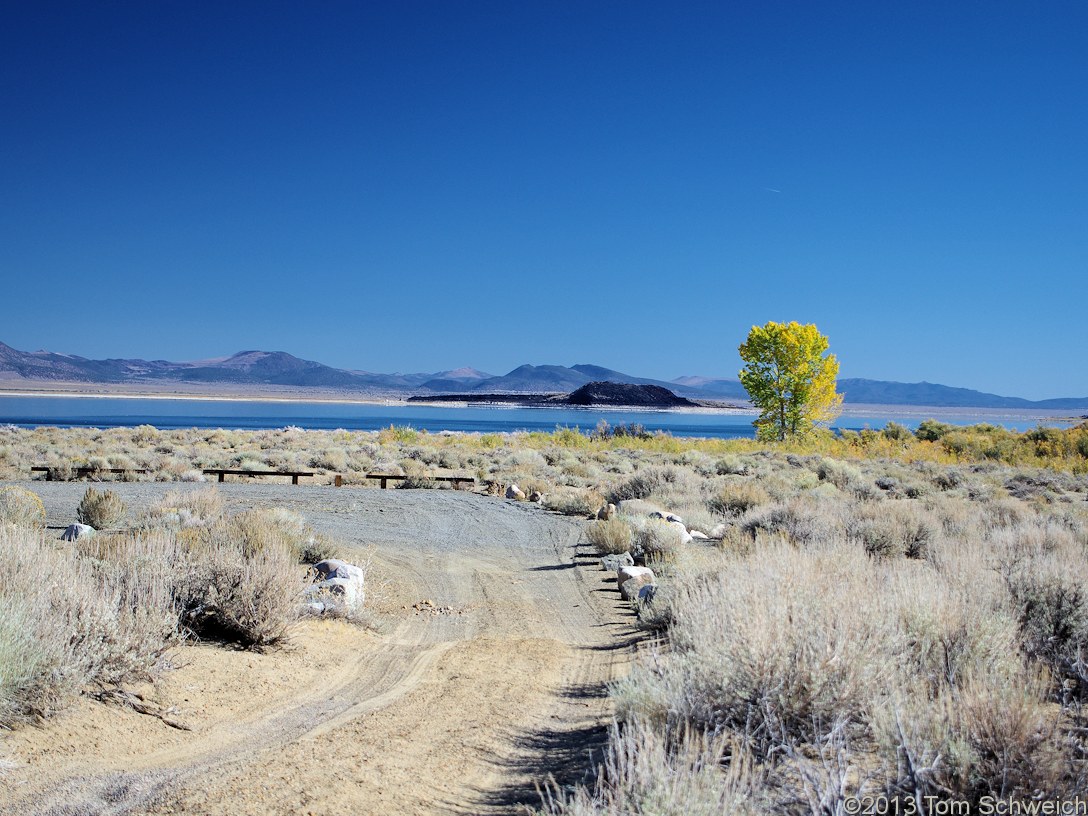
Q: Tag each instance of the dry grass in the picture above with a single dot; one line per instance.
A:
(21, 507)
(100, 509)
(99, 614)
(95, 624)
(610, 537)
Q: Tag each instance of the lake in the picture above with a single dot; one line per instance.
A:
(108, 412)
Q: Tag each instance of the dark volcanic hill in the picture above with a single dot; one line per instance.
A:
(628, 394)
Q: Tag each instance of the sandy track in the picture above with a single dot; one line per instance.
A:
(459, 711)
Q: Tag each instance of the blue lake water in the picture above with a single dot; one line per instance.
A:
(182, 413)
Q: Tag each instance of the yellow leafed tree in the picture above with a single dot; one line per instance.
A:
(790, 377)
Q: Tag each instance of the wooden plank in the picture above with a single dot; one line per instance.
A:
(222, 473)
(84, 471)
(385, 478)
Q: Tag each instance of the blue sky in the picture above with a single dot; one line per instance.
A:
(412, 186)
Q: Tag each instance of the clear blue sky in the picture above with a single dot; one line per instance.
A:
(409, 186)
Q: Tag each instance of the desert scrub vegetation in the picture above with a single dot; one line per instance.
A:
(91, 616)
(21, 507)
(881, 627)
(610, 536)
(563, 457)
(100, 509)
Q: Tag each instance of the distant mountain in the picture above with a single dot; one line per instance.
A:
(281, 369)
(244, 368)
(709, 386)
(880, 392)
(459, 379)
(631, 395)
(535, 378)
(47, 365)
(269, 368)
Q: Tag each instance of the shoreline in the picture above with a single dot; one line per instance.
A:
(81, 391)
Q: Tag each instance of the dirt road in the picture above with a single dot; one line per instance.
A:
(499, 637)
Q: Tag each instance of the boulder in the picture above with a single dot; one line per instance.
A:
(74, 532)
(631, 578)
(627, 572)
(335, 568)
(515, 492)
(630, 588)
(343, 593)
(341, 585)
(536, 496)
(606, 512)
(685, 536)
(698, 534)
(646, 593)
(665, 516)
(614, 563)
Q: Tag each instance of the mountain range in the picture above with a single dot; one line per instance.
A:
(280, 369)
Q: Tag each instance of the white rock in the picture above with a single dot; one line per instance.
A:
(76, 531)
(627, 573)
(515, 492)
(335, 568)
(346, 591)
(698, 534)
(685, 536)
(343, 585)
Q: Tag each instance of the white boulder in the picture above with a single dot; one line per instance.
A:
(685, 536)
(341, 585)
(515, 492)
(73, 532)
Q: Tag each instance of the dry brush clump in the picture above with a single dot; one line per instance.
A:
(610, 537)
(886, 628)
(100, 509)
(21, 507)
(73, 624)
(92, 616)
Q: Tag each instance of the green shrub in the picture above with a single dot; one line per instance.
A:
(243, 583)
(930, 430)
(900, 433)
(100, 510)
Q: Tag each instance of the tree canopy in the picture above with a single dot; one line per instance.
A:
(790, 377)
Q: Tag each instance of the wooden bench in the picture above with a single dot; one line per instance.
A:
(457, 481)
(222, 472)
(83, 471)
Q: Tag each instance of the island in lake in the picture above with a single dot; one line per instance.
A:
(612, 394)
